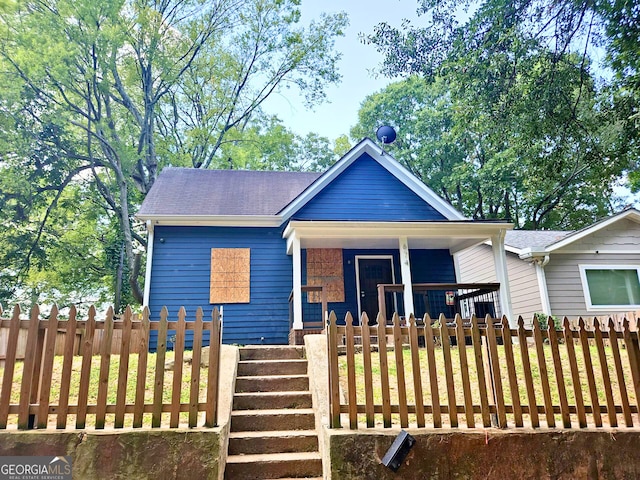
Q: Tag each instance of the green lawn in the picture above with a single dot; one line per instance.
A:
(112, 387)
(473, 374)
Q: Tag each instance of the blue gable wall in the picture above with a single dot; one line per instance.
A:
(181, 276)
(366, 191)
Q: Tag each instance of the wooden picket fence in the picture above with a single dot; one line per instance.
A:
(37, 404)
(482, 372)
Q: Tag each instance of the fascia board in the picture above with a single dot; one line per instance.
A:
(507, 248)
(452, 229)
(217, 220)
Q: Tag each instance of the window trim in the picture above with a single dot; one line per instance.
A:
(587, 293)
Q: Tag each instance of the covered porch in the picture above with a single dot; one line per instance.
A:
(340, 265)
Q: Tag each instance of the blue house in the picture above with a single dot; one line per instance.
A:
(276, 250)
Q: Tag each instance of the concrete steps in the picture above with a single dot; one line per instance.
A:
(266, 400)
(272, 423)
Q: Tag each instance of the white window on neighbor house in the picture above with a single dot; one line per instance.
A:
(611, 286)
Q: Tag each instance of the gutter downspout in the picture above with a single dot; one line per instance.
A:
(502, 275)
(540, 263)
(147, 272)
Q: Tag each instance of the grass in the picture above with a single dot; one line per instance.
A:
(474, 381)
(167, 387)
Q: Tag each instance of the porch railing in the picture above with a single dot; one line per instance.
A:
(314, 307)
(451, 299)
(314, 312)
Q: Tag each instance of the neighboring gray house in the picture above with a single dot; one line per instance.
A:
(586, 273)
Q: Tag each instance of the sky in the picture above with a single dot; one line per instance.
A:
(339, 113)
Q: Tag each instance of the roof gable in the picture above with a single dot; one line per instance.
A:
(628, 214)
(570, 238)
(366, 191)
(367, 150)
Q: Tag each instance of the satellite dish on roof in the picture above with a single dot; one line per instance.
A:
(386, 134)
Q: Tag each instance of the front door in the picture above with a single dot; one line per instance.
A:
(371, 272)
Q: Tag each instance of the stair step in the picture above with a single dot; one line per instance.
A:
(243, 443)
(274, 465)
(272, 383)
(272, 367)
(271, 400)
(272, 420)
(271, 353)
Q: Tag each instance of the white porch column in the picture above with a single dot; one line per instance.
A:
(297, 284)
(502, 275)
(405, 270)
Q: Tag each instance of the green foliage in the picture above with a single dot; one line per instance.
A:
(96, 97)
(503, 114)
(543, 321)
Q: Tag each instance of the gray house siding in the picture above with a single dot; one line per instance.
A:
(476, 265)
(622, 236)
(566, 295)
(617, 244)
(525, 291)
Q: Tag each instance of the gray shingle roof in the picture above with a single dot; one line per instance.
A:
(190, 191)
(533, 238)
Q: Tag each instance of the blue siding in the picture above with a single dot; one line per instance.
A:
(366, 191)
(432, 266)
(181, 275)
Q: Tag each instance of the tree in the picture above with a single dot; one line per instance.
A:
(542, 141)
(512, 163)
(118, 88)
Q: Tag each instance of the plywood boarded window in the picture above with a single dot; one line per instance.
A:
(230, 275)
(324, 267)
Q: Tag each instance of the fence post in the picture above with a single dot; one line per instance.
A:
(10, 359)
(334, 386)
(215, 335)
(493, 368)
(382, 307)
(31, 373)
(635, 341)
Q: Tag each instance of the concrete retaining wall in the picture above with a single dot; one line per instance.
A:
(140, 454)
(513, 454)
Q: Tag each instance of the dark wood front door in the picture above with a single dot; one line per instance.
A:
(371, 272)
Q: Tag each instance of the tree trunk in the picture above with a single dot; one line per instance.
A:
(117, 300)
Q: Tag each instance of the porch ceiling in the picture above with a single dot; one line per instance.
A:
(453, 236)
